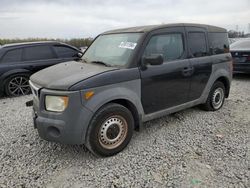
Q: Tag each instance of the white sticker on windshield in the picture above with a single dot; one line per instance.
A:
(129, 45)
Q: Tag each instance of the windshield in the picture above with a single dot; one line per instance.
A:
(112, 49)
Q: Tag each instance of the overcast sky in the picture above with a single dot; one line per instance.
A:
(87, 18)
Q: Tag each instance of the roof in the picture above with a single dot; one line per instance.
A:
(149, 28)
(30, 43)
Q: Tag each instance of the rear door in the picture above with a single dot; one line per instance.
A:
(167, 85)
(200, 60)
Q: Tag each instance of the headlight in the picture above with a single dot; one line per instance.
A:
(56, 103)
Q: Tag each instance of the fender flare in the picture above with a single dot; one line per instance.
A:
(111, 94)
(219, 73)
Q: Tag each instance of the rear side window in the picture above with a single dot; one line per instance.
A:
(218, 43)
(169, 45)
(197, 44)
(12, 56)
(64, 51)
(38, 53)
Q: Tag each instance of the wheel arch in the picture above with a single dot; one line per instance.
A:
(131, 107)
(13, 72)
(226, 83)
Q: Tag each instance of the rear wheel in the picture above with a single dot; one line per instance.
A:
(110, 130)
(215, 98)
(17, 85)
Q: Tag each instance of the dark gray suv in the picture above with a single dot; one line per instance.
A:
(130, 76)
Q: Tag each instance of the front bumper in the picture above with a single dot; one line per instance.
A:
(68, 127)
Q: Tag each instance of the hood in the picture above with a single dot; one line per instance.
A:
(62, 76)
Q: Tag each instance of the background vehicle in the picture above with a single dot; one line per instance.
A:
(240, 51)
(19, 61)
(130, 76)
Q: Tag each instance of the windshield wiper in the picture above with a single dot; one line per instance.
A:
(101, 62)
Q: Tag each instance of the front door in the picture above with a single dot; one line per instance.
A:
(167, 85)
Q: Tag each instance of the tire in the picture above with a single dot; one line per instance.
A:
(17, 85)
(110, 130)
(215, 98)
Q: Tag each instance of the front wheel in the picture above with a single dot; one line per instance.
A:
(215, 98)
(17, 85)
(110, 130)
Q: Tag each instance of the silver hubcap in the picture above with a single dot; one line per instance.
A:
(218, 98)
(113, 132)
(19, 86)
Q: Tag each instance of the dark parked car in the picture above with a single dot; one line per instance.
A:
(240, 51)
(130, 76)
(19, 61)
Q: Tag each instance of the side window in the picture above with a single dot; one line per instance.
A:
(169, 45)
(12, 56)
(218, 43)
(64, 51)
(197, 44)
(38, 53)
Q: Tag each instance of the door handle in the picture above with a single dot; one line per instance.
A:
(187, 71)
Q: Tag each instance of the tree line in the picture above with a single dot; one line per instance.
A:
(77, 42)
(236, 34)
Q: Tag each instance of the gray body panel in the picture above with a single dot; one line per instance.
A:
(71, 123)
(74, 121)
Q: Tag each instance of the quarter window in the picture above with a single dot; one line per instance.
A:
(64, 51)
(218, 43)
(169, 45)
(38, 53)
(197, 44)
(12, 56)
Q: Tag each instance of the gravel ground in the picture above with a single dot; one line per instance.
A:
(191, 148)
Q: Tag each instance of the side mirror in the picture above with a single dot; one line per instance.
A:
(154, 59)
(79, 55)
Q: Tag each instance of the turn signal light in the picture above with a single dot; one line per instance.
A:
(88, 95)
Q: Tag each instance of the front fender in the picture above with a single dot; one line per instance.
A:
(130, 91)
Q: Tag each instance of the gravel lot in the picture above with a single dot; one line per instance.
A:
(191, 148)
